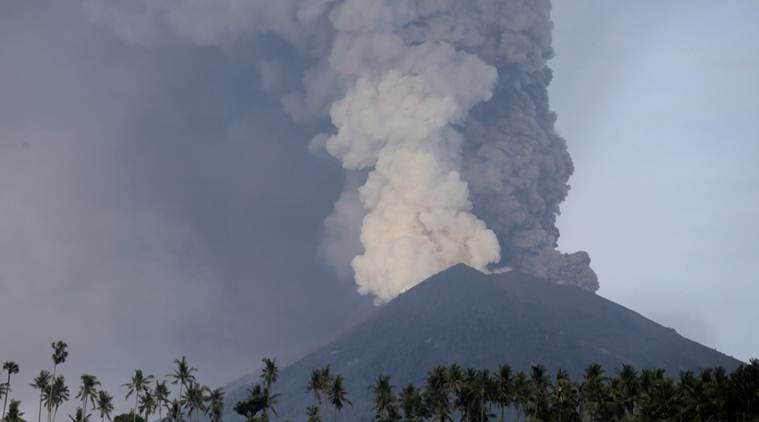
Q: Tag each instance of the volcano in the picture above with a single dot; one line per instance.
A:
(475, 320)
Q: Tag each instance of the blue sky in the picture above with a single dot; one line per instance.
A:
(659, 104)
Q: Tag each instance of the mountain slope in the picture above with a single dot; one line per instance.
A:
(463, 316)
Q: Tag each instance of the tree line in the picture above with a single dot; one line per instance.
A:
(448, 393)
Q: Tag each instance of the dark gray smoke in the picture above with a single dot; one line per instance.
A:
(439, 113)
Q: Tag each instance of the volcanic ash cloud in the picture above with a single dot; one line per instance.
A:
(439, 114)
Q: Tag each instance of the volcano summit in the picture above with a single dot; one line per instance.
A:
(465, 317)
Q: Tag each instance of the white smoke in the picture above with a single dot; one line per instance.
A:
(397, 120)
(439, 110)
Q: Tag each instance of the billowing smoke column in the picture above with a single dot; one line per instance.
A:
(440, 117)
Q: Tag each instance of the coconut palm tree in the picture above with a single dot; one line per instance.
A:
(313, 385)
(319, 384)
(59, 393)
(384, 398)
(14, 414)
(504, 393)
(521, 393)
(184, 375)
(594, 394)
(538, 392)
(564, 398)
(104, 405)
(42, 383)
(338, 397)
(412, 404)
(60, 354)
(147, 404)
(11, 368)
(270, 372)
(4, 390)
(482, 391)
(138, 384)
(88, 390)
(216, 405)
(195, 398)
(175, 411)
(625, 390)
(312, 414)
(436, 394)
(80, 416)
(161, 395)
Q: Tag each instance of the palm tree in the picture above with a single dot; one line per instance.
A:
(42, 383)
(521, 393)
(216, 405)
(504, 389)
(270, 373)
(175, 411)
(384, 398)
(104, 405)
(625, 387)
(161, 394)
(195, 399)
(59, 393)
(321, 380)
(14, 414)
(412, 404)
(60, 354)
(436, 394)
(184, 375)
(482, 390)
(4, 391)
(457, 383)
(11, 368)
(314, 385)
(88, 390)
(312, 414)
(337, 395)
(147, 405)
(266, 401)
(538, 392)
(136, 386)
(80, 416)
(564, 398)
(594, 394)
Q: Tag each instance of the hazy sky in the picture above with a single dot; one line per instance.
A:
(155, 201)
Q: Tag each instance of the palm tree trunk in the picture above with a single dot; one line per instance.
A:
(39, 412)
(50, 394)
(134, 411)
(5, 400)
(179, 400)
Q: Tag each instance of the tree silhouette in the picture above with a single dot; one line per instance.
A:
(88, 390)
(42, 383)
(137, 385)
(14, 413)
(60, 354)
(104, 405)
(184, 375)
(11, 368)
(338, 397)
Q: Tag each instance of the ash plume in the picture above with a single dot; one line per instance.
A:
(439, 114)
